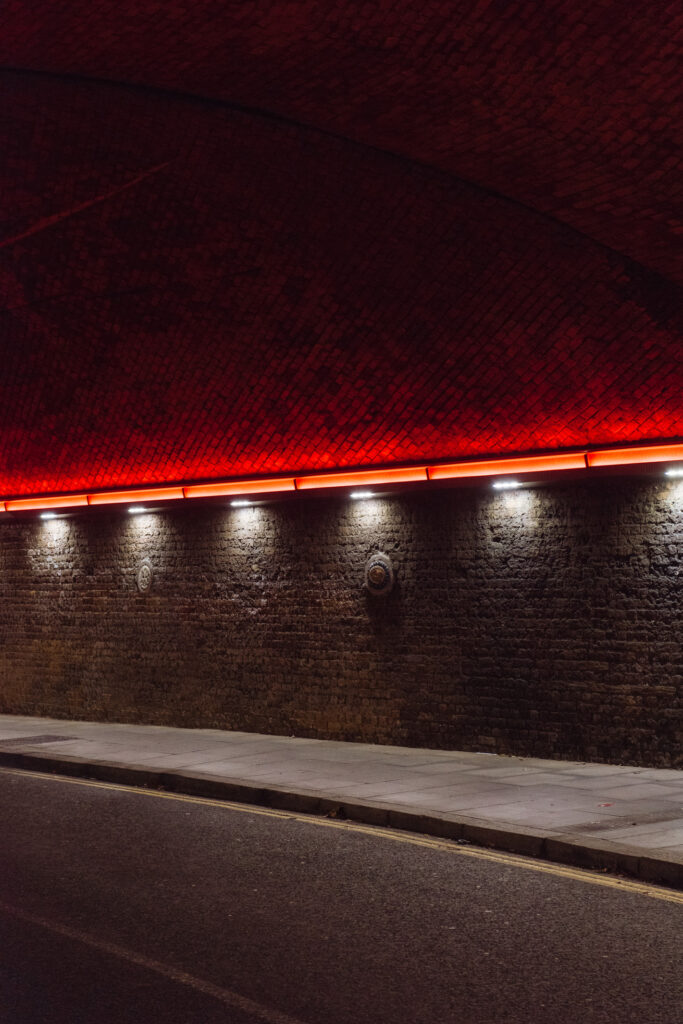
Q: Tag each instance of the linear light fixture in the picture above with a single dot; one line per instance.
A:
(516, 464)
(34, 504)
(506, 485)
(151, 494)
(225, 488)
(405, 475)
(494, 467)
(632, 456)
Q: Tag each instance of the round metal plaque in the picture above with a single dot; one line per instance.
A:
(379, 574)
(144, 576)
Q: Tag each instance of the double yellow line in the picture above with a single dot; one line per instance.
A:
(376, 832)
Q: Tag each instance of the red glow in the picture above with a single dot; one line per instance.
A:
(365, 476)
(58, 501)
(228, 487)
(154, 494)
(494, 467)
(407, 474)
(546, 321)
(630, 456)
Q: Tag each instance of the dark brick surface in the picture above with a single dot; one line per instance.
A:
(247, 238)
(571, 107)
(541, 622)
(221, 294)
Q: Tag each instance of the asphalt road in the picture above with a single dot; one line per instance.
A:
(122, 906)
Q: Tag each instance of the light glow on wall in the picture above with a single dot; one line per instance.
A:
(554, 462)
(54, 530)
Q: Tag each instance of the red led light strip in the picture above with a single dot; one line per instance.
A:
(555, 462)
(367, 477)
(630, 456)
(220, 489)
(55, 501)
(148, 494)
(495, 467)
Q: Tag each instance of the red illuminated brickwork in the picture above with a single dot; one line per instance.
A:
(299, 238)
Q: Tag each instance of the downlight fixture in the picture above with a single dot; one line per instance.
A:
(506, 485)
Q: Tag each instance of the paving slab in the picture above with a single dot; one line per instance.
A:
(612, 817)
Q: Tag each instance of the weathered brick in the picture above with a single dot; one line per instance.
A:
(469, 250)
(549, 643)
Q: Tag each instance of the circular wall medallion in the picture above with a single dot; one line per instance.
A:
(144, 576)
(379, 574)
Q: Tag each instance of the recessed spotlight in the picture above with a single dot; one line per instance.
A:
(675, 471)
(362, 494)
(136, 509)
(240, 503)
(506, 485)
(48, 515)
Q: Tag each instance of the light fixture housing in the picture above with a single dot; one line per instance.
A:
(506, 485)
(404, 475)
(510, 464)
(148, 494)
(46, 502)
(241, 503)
(635, 456)
(136, 509)
(358, 495)
(221, 489)
(48, 515)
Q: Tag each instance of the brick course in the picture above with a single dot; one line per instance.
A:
(271, 299)
(571, 108)
(543, 622)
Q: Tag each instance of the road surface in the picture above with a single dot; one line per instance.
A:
(121, 905)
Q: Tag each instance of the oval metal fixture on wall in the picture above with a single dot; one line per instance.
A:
(144, 576)
(379, 574)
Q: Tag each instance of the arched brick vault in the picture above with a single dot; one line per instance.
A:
(238, 239)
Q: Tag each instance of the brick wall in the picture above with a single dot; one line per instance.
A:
(544, 621)
(274, 299)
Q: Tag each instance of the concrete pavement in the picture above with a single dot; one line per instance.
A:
(618, 818)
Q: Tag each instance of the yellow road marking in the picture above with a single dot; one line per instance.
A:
(444, 845)
(224, 995)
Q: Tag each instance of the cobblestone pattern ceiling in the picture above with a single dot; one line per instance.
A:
(316, 239)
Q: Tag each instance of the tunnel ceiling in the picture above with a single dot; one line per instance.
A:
(242, 238)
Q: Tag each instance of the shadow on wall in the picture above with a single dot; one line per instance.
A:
(546, 625)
